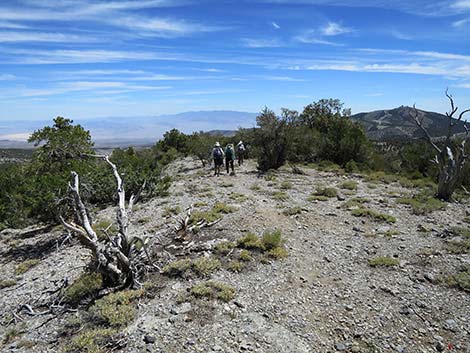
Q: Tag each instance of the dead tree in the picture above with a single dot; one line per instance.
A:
(121, 259)
(450, 157)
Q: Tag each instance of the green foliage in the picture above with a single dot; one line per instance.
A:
(91, 341)
(349, 185)
(225, 247)
(380, 217)
(270, 140)
(458, 246)
(84, 287)
(280, 196)
(177, 268)
(245, 255)
(25, 266)
(460, 279)
(293, 211)
(271, 239)
(250, 241)
(238, 197)
(235, 266)
(383, 261)
(5, 283)
(422, 203)
(211, 215)
(204, 266)
(355, 202)
(286, 185)
(326, 191)
(115, 309)
(278, 252)
(213, 290)
(171, 211)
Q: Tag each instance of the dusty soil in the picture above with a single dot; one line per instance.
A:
(324, 297)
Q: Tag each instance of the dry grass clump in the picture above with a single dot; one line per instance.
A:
(383, 261)
(213, 290)
(25, 266)
(349, 185)
(202, 266)
(460, 279)
(212, 215)
(422, 203)
(5, 283)
(270, 244)
(84, 287)
(280, 196)
(376, 216)
(292, 211)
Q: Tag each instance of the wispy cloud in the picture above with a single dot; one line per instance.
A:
(334, 29)
(261, 43)
(461, 23)
(275, 25)
(311, 37)
(461, 4)
(10, 37)
(7, 77)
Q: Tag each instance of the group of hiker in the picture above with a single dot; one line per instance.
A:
(219, 155)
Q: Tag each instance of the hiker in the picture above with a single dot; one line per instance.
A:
(229, 158)
(218, 156)
(241, 152)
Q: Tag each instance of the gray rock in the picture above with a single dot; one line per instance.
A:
(450, 325)
(440, 347)
(149, 339)
(340, 347)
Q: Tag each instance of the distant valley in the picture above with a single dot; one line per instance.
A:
(380, 125)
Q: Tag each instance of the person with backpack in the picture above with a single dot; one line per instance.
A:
(229, 158)
(241, 152)
(218, 156)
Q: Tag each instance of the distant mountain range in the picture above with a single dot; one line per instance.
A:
(133, 131)
(380, 125)
(398, 124)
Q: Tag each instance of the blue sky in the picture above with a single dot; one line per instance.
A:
(84, 58)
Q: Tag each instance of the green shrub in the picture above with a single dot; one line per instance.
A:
(238, 197)
(177, 268)
(213, 290)
(327, 192)
(271, 240)
(458, 246)
(225, 247)
(25, 266)
(85, 286)
(204, 266)
(104, 227)
(172, 211)
(383, 261)
(236, 266)
(280, 196)
(245, 255)
(250, 241)
(355, 202)
(380, 217)
(221, 207)
(115, 309)
(286, 185)
(91, 341)
(351, 167)
(349, 185)
(5, 283)
(278, 252)
(318, 198)
(423, 203)
(460, 279)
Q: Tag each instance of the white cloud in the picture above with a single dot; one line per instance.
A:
(311, 37)
(275, 25)
(7, 77)
(463, 85)
(11, 37)
(261, 43)
(334, 29)
(461, 4)
(461, 23)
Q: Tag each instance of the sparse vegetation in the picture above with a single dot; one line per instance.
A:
(85, 286)
(213, 290)
(292, 211)
(95, 340)
(355, 202)
(349, 185)
(328, 192)
(380, 217)
(177, 268)
(172, 211)
(383, 261)
(5, 283)
(235, 266)
(115, 309)
(280, 196)
(460, 279)
(25, 266)
(422, 203)
(286, 185)
(245, 255)
(211, 215)
(225, 247)
(204, 266)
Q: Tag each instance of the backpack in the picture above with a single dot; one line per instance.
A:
(217, 153)
(229, 153)
(241, 147)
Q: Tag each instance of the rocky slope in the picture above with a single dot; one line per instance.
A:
(323, 297)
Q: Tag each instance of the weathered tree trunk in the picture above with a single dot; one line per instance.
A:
(119, 261)
(449, 159)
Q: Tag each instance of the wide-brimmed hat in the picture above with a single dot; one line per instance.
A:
(217, 144)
